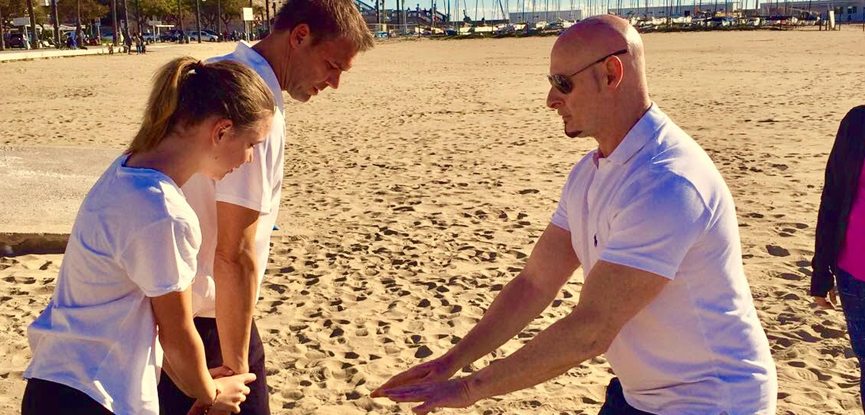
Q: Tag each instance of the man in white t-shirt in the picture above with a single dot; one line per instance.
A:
(652, 222)
(313, 42)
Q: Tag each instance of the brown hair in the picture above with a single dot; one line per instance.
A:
(327, 19)
(186, 91)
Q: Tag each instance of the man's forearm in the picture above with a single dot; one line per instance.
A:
(554, 351)
(611, 296)
(236, 289)
(519, 302)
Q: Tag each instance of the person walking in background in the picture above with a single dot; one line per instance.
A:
(127, 42)
(139, 44)
(839, 247)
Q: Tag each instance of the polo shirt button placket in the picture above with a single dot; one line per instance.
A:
(594, 202)
(591, 218)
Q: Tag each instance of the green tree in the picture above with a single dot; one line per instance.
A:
(3, 5)
(165, 10)
(89, 10)
(80, 10)
(13, 8)
(35, 18)
(230, 10)
(19, 8)
(209, 13)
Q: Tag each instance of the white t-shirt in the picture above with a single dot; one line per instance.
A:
(135, 237)
(658, 204)
(256, 185)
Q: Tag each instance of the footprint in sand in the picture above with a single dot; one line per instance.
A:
(20, 280)
(775, 250)
(791, 277)
(827, 332)
(423, 352)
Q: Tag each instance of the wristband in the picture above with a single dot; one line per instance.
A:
(209, 407)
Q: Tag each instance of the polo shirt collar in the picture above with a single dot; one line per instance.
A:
(639, 135)
(245, 52)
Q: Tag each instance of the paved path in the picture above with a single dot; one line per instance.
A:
(20, 54)
(10, 55)
(42, 188)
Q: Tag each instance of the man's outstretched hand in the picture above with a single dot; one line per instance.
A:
(436, 370)
(454, 393)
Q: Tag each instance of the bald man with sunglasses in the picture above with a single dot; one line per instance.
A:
(652, 222)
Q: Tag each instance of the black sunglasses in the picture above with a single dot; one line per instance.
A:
(563, 82)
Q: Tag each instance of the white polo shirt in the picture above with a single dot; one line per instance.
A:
(658, 204)
(256, 185)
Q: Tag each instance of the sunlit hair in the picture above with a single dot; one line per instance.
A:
(186, 91)
(327, 20)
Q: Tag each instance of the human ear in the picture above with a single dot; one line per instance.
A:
(220, 130)
(614, 71)
(299, 35)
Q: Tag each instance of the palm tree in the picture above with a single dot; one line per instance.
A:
(2, 30)
(78, 22)
(36, 43)
(137, 17)
(126, 21)
(56, 21)
(115, 36)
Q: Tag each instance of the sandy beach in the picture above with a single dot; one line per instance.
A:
(416, 190)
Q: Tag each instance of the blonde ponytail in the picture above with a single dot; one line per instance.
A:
(187, 91)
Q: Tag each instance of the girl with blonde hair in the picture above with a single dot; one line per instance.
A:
(131, 256)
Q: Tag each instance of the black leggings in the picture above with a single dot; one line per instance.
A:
(616, 403)
(42, 397)
(172, 401)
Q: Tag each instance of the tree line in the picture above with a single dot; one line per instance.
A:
(83, 12)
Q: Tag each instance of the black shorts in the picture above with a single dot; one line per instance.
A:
(42, 397)
(616, 404)
(172, 401)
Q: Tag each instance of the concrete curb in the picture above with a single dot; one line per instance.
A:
(17, 244)
(11, 56)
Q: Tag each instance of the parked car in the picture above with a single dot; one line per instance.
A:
(171, 36)
(167, 37)
(149, 37)
(205, 36)
(15, 40)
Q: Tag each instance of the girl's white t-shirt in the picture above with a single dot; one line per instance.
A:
(135, 237)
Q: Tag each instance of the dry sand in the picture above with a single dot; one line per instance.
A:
(415, 191)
